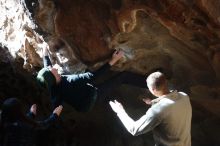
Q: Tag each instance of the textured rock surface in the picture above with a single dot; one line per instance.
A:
(180, 36)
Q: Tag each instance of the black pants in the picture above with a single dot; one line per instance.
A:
(106, 86)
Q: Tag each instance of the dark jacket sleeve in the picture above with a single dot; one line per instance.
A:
(41, 125)
(47, 61)
(45, 123)
(88, 76)
(30, 115)
(106, 67)
(100, 72)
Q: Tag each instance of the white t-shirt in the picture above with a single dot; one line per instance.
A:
(169, 119)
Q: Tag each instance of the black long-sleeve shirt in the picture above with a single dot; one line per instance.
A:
(76, 89)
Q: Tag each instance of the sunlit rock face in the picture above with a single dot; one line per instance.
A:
(185, 33)
(182, 37)
(25, 39)
(179, 36)
(17, 32)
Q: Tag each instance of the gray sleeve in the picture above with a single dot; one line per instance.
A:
(145, 124)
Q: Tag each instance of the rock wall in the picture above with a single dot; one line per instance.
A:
(181, 37)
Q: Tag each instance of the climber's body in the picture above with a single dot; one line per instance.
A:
(76, 89)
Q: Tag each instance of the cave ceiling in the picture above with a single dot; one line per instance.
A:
(180, 36)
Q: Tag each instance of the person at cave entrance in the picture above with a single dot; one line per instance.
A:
(169, 117)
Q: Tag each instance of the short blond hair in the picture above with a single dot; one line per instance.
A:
(156, 80)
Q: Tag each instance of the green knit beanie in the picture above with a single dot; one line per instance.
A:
(45, 78)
